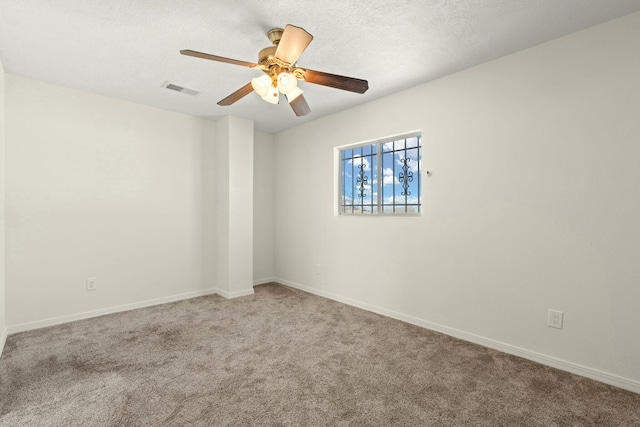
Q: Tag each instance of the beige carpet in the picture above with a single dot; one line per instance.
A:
(282, 357)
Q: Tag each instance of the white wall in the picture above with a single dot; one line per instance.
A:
(263, 208)
(533, 204)
(98, 187)
(209, 203)
(234, 206)
(3, 322)
(221, 156)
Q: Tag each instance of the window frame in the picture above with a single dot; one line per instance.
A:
(380, 212)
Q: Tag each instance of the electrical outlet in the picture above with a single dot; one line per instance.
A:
(555, 319)
(91, 283)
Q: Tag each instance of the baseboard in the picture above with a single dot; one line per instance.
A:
(234, 294)
(574, 368)
(257, 282)
(3, 340)
(109, 310)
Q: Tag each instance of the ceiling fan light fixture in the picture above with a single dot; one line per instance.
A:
(272, 96)
(262, 85)
(287, 83)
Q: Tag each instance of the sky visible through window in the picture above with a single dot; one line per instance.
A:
(382, 178)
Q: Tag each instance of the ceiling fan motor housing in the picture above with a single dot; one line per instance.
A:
(266, 55)
(275, 34)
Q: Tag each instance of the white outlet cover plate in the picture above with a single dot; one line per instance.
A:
(91, 283)
(555, 319)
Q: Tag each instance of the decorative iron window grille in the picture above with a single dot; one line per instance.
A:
(382, 178)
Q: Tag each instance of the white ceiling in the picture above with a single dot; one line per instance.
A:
(128, 48)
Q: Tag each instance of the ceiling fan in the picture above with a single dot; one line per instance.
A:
(278, 62)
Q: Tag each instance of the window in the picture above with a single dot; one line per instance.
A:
(381, 178)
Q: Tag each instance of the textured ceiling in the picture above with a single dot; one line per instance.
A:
(128, 49)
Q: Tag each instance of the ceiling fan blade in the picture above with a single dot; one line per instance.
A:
(237, 95)
(217, 58)
(300, 106)
(293, 42)
(339, 82)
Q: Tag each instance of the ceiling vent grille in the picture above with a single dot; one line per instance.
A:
(180, 89)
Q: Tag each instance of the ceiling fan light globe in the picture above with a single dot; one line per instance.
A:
(272, 96)
(261, 85)
(287, 83)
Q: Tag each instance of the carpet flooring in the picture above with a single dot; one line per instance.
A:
(283, 357)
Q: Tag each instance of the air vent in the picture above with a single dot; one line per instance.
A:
(180, 89)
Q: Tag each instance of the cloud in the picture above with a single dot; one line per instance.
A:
(400, 200)
(359, 160)
(388, 178)
(413, 164)
(357, 200)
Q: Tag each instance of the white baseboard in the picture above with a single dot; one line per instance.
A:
(234, 294)
(3, 340)
(109, 310)
(574, 368)
(257, 282)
